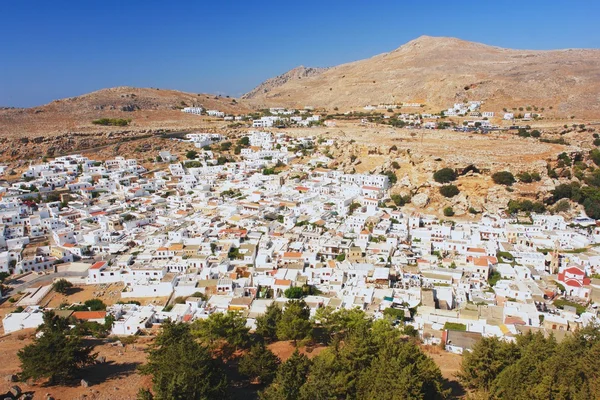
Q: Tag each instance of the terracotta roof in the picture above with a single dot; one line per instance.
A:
(98, 265)
(283, 282)
(476, 250)
(85, 315)
(292, 254)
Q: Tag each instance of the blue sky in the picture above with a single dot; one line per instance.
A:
(55, 49)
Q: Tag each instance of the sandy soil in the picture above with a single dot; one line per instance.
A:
(115, 379)
(285, 349)
(109, 294)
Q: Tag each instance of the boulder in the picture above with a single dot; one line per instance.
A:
(405, 181)
(84, 383)
(12, 378)
(420, 200)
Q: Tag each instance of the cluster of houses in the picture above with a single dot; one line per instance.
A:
(238, 235)
(276, 116)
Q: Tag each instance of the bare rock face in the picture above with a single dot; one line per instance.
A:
(405, 182)
(420, 200)
(295, 74)
(497, 198)
(460, 204)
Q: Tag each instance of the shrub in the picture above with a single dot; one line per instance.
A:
(503, 178)
(111, 122)
(448, 212)
(515, 206)
(595, 156)
(62, 286)
(394, 313)
(95, 305)
(562, 206)
(391, 176)
(444, 175)
(294, 292)
(449, 190)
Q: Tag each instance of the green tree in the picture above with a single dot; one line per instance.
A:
(225, 146)
(488, 358)
(394, 313)
(444, 175)
(503, 178)
(595, 156)
(290, 377)
(449, 190)
(191, 154)
(181, 368)
(95, 305)
(391, 177)
(294, 323)
(342, 323)
(62, 286)
(54, 355)
(226, 331)
(266, 324)
(295, 292)
(326, 379)
(259, 363)
(401, 367)
(448, 212)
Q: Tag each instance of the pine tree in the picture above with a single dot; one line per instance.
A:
(266, 324)
(289, 379)
(259, 363)
(295, 322)
(55, 355)
(181, 368)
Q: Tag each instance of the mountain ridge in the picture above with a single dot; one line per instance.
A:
(442, 70)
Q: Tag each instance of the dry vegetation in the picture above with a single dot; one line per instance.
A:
(441, 71)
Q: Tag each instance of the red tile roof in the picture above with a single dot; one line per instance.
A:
(86, 315)
(98, 265)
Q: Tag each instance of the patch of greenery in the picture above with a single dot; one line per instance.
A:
(444, 175)
(111, 121)
(455, 326)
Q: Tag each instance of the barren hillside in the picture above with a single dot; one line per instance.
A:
(440, 71)
(272, 83)
(148, 109)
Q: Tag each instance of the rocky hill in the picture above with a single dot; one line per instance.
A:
(292, 75)
(148, 108)
(440, 71)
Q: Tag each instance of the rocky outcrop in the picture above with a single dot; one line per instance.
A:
(420, 200)
(293, 74)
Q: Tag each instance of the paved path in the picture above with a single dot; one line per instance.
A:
(18, 287)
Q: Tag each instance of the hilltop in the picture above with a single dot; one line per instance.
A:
(148, 108)
(272, 83)
(440, 71)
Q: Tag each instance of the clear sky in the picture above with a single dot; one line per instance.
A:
(54, 48)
